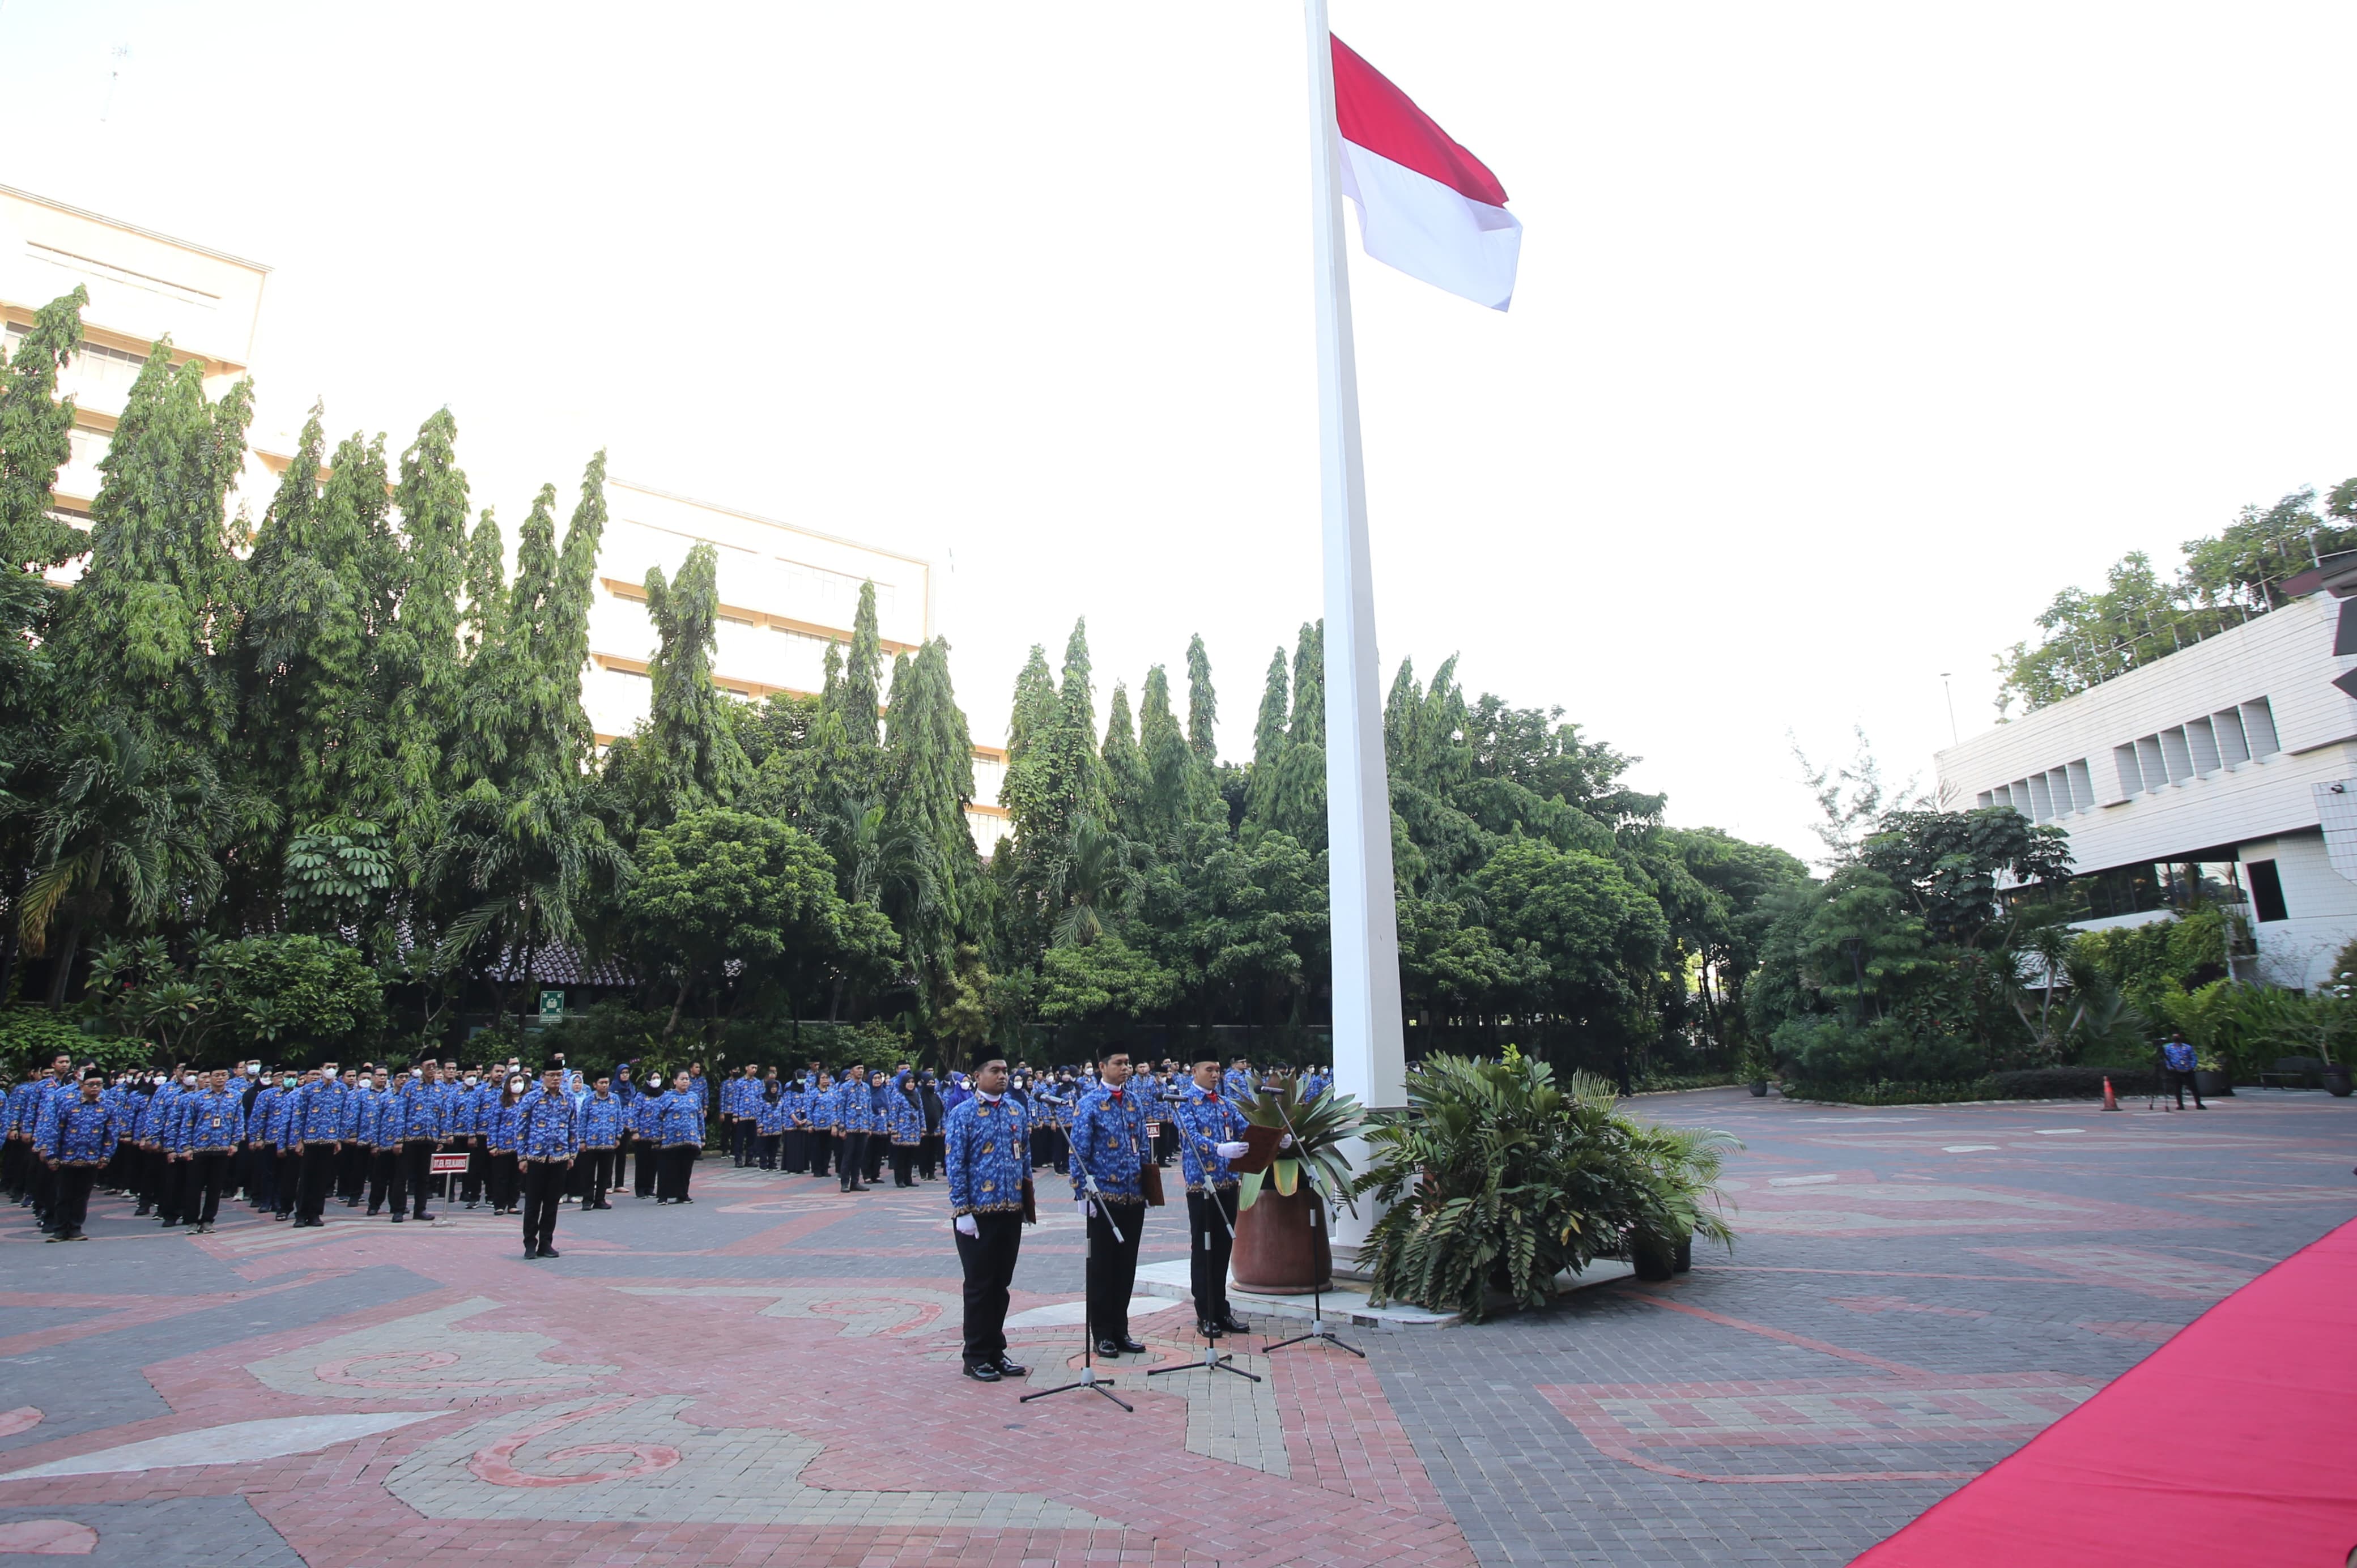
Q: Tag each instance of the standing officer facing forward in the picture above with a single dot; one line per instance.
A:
(548, 1137)
(1212, 1133)
(988, 1146)
(1108, 1149)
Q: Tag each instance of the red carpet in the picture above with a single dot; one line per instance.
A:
(2235, 1442)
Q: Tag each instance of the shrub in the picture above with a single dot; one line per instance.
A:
(2071, 1082)
(1498, 1180)
(31, 1038)
(1826, 1050)
(1888, 1091)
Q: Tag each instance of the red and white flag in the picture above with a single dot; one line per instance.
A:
(1426, 205)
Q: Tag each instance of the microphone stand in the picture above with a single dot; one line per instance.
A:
(1088, 1378)
(1212, 1361)
(1318, 1329)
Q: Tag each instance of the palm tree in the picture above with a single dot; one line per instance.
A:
(135, 828)
(530, 862)
(1092, 874)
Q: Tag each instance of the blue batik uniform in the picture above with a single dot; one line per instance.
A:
(823, 1115)
(601, 1123)
(771, 1117)
(1316, 1084)
(318, 1113)
(854, 1107)
(547, 1127)
(462, 1110)
(156, 1121)
(499, 1127)
(212, 1121)
(1237, 1085)
(355, 1116)
(1206, 1119)
(905, 1121)
(680, 1120)
(75, 1132)
(262, 1121)
(1108, 1143)
(418, 1112)
(987, 1148)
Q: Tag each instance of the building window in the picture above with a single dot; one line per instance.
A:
(2267, 890)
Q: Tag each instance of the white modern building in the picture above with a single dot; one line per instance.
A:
(2230, 763)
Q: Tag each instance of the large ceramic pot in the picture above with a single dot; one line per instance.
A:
(2213, 1085)
(1654, 1259)
(2336, 1079)
(1281, 1245)
(1758, 1089)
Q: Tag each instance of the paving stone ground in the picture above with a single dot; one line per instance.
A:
(770, 1376)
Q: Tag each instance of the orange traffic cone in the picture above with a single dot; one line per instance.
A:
(2109, 1103)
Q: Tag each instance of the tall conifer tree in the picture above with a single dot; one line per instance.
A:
(422, 662)
(150, 628)
(1169, 762)
(1203, 705)
(1296, 798)
(691, 736)
(36, 430)
(1268, 739)
(1128, 785)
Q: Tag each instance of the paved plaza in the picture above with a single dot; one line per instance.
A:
(771, 1375)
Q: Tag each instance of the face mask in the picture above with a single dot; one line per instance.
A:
(471, 1080)
(287, 1082)
(516, 1084)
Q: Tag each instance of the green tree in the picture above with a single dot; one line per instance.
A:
(690, 737)
(422, 666)
(1203, 705)
(1599, 935)
(147, 631)
(928, 783)
(1128, 785)
(1091, 992)
(718, 888)
(1296, 795)
(1269, 741)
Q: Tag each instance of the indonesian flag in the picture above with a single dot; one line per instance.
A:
(1426, 205)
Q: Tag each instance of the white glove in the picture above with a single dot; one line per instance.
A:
(966, 1227)
(1233, 1151)
(1082, 1207)
(1284, 1140)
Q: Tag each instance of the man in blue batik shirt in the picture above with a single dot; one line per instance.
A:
(854, 1120)
(987, 1147)
(1108, 1150)
(73, 1138)
(601, 1136)
(548, 1137)
(1211, 1131)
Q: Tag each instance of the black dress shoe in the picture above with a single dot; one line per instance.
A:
(1007, 1368)
(1207, 1329)
(1110, 1347)
(548, 1252)
(1230, 1323)
(982, 1372)
(396, 1218)
(1130, 1347)
(422, 1216)
(529, 1253)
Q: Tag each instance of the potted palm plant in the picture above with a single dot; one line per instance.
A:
(1281, 1243)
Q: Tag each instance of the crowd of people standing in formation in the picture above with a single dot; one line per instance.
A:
(293, 1142)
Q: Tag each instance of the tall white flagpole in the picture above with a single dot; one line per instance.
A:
(1369, 1054)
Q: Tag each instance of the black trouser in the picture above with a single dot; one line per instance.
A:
(500, 1175)
(171, 1187)
(928, 1155)
(601, 1164)
(74, 1184)
(318, 1178)
(767, 1145)
(544, 1190)
(643, 1181)
(879, 1145)
(13, 1155)
(988, 1258)
(821, 1149)
(904, 1162)
(1213, 1242)
(671, 1176)
(414, 1173)
(1113, 1267)
(741, 1138)
(383, 1178)
(261, 1176)
(157, 1189)
(470, 1186)
(353, 1172)
(209, 1172)
(286, 1178)
(2180, 1082)
(850, 1154)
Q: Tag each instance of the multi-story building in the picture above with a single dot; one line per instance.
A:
(144, 286)
(786, 592)
(2225, 770)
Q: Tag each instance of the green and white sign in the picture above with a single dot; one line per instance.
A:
(551, 1005)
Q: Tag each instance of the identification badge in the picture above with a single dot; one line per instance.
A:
(216, 1121)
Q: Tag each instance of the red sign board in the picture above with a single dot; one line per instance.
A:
(450, 1165)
